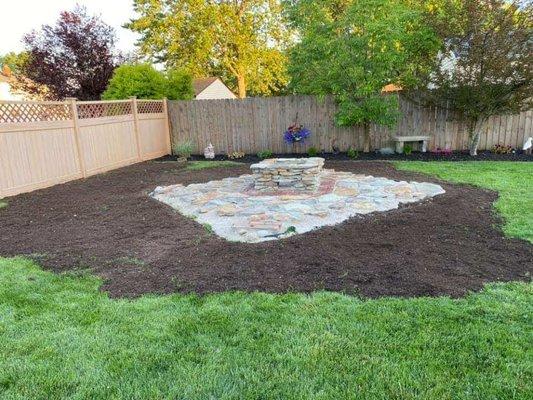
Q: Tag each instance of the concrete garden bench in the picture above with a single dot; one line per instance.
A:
(400, 140)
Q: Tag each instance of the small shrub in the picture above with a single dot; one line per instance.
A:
(353, 153)
(502, 149)
(234, 155)
(407, 149)
(264, 154)
(312, 151)
(183, 149)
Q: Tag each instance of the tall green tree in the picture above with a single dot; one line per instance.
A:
(486, 63)
(243, 41)
(353, 48)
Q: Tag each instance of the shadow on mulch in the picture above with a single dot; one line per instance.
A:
(448, 245)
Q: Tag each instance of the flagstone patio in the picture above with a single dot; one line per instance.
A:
(236, 211)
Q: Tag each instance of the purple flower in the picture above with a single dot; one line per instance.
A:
(296, 133)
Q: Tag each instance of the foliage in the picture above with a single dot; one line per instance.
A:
(352, 49)
(3, 204)
(502, 149)
(15, 61)
(486, 64)
(141, 80)
(312, 151)
(199, 165)
(234, 155)
(61, 337)
(179, 85)
(296, 134)
(512, 180)
(352, 153)
(407, 149)
(264, 154)
(145, 82)
(241, 41)
(183, 149)
(73, 58)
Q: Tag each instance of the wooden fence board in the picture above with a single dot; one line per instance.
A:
(256, 124)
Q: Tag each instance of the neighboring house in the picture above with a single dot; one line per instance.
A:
(211, 88)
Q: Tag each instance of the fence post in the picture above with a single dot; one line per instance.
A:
(167, 123)
(136, 126)
(77, 137)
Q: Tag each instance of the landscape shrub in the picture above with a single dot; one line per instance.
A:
(352, 153)
(183, 149)
(502, 149)
(234, 155)
(407, 149)
(312, 151)
(145, 82)
(264, 154)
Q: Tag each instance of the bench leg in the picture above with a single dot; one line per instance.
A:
(399, 147)
(424, 146)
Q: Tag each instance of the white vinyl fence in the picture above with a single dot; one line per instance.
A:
(46, 143)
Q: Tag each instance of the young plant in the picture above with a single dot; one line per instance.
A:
(264, 154)
(183, 149)
(407, 149)
(312, 152)
(352, 153)
(502, 149)
(234, 155)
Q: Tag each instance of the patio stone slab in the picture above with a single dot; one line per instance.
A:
(238, 212)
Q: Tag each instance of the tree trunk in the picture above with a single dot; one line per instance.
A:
(474, 136)
(241, 84)
(368, 138)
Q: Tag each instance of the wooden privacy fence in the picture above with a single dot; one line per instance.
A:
(256, 124)
(45, 143)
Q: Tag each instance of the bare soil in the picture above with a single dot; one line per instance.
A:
(447, 245)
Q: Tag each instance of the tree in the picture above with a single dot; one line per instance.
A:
(15, 61)
(179, 85)
(145, 82)
(74, 58)
(353, 48)
(243, 41)
(486, 63)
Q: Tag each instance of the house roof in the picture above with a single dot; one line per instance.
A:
(200, 84)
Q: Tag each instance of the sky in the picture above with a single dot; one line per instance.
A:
(18, 17)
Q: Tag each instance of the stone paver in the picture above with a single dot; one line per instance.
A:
(238, 212)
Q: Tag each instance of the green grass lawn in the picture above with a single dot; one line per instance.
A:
(513, 181)
(60, 337)
(197, 165)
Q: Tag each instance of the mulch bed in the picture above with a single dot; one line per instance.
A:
(448, 245)
(519, 155)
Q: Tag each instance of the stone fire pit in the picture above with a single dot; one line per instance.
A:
(302, 174)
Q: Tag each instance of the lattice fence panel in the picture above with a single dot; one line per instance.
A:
(99, 110)
(33, 112)
(149, 107)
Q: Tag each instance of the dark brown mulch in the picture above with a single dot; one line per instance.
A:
(445, 246)
(519, 155)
